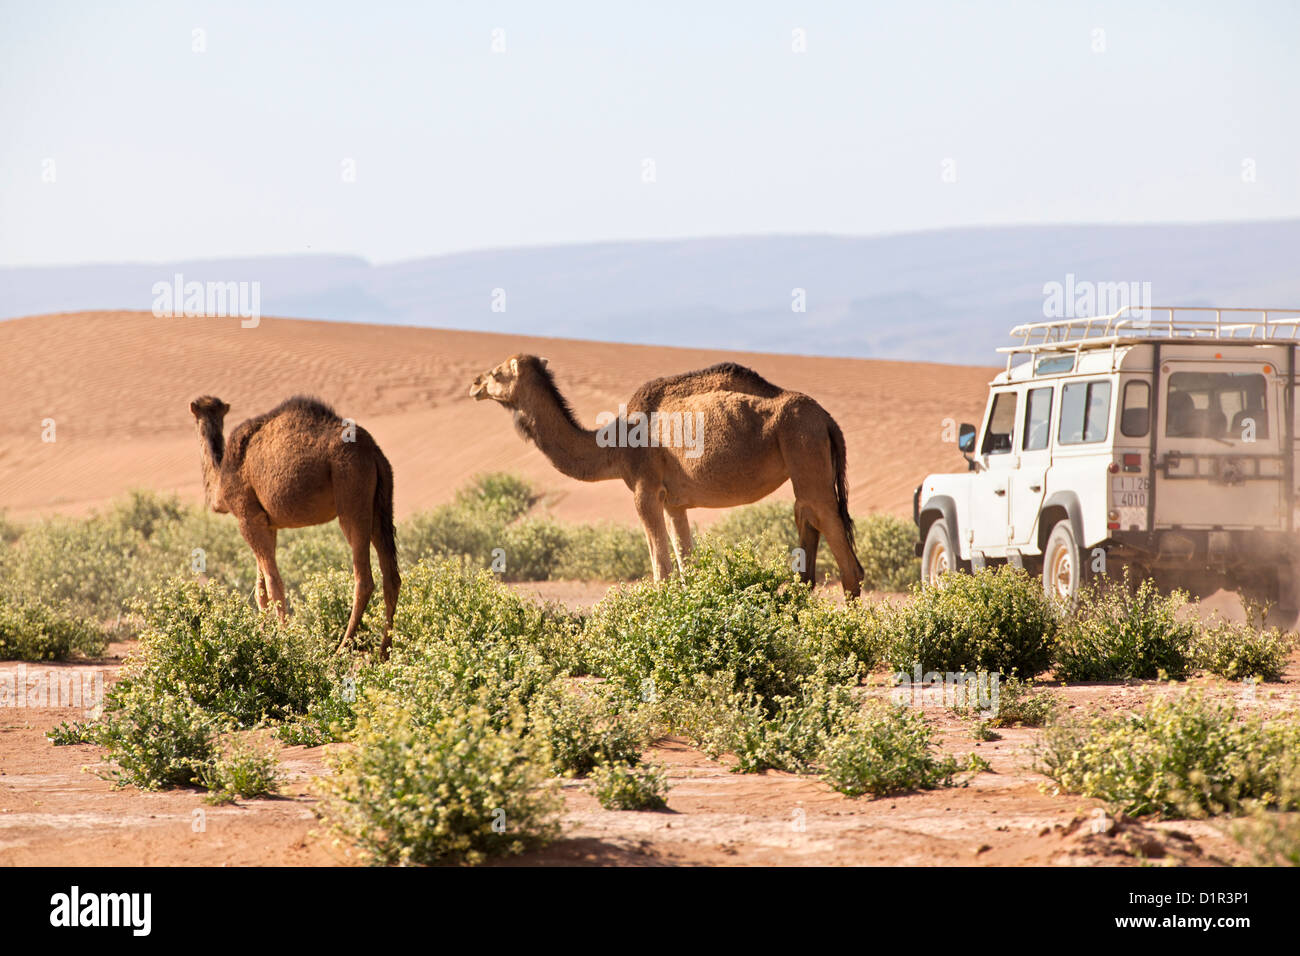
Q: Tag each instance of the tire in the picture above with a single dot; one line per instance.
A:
(1064, 565)
(937, 557)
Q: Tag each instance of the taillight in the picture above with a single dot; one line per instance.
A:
(1132, 461)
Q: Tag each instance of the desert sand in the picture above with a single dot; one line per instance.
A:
(118, 385)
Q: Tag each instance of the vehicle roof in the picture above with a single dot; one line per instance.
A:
(1100, 344)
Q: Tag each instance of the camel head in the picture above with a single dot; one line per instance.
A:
(506, 382)
(209, 408)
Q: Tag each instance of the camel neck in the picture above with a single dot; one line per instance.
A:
(571, 449)
(212, 449)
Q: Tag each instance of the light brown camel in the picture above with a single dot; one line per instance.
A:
(299, 465)
(715, 438)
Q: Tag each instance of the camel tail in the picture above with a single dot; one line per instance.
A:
(385, 534)
(840, 459)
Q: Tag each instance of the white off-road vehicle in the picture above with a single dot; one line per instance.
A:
(1164, 441)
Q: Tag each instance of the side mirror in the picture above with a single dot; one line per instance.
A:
(966, 438)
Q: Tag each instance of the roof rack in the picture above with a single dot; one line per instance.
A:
(1144, 323)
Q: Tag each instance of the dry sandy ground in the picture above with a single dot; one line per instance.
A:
(118, 386)
(55, 809)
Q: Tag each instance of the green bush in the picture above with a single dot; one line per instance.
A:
(1241, 651)
(604, 552)
(33, 631)
(242, 770)
(992, 620)
(586, 727)
(886, 546)
(1119, 632)
(1020, 706)
(305, 553)
(461, 639)
(451, 531)
(1273, 837)
(207, 644)
(156, 739)
(731, 613)
(620, 787)
(534, 549)
(144, 512)
(472, 526)
(769, 529)
(790, 736)
(1180, 756)
(509, 496)
(85, 568)
(10, 531)
(885, 749)
(885, 543)
(458, 791)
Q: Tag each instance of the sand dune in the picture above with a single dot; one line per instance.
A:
(118, 386)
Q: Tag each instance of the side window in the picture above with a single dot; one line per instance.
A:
(1135, 420)
(1002, 423)
(1038, 419)
(1085, 413)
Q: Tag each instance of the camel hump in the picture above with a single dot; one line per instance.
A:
(723, 377)
(307, 409)
(306, 405)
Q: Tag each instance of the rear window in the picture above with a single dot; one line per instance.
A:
(1085, 413)
(1226, 405)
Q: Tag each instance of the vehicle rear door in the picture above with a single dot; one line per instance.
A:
(1218, 445)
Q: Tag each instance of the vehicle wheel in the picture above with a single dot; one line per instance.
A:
(1064, 566)
(937, 557)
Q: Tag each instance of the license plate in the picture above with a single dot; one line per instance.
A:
(1129, 491)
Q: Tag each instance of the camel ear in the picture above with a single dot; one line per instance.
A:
(514, 366)
(194, 408)
(224, 408)
(543, 362)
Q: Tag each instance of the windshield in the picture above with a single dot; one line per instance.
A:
(1226, 405)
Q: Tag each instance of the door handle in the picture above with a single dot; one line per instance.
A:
(1035, 487)
(999, 491)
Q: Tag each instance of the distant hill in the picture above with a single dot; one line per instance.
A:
(947, 296)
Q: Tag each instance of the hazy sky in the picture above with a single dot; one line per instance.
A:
(157, 151)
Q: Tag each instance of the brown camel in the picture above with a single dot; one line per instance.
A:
(714, 438)
(299, 465)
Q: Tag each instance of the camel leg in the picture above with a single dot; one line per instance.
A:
(392, 584)
(257, 531)
(681, 535)
(813, 479)
(357, 531)
(850, 575)
(650, 509)
(274, 585)
(809, 538)
(261, 588)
